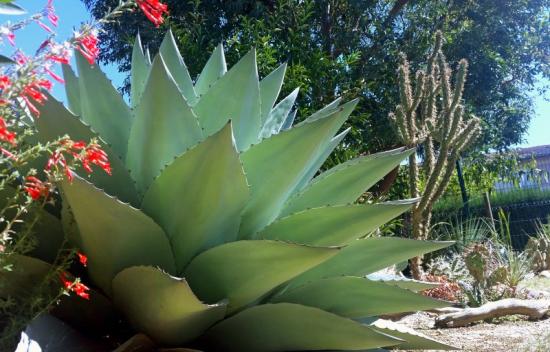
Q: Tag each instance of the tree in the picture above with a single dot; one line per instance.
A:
(350, 48)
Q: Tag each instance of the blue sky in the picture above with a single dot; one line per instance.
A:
(72, 13)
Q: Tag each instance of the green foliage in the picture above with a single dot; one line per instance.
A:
(215, 250)
(342, 48)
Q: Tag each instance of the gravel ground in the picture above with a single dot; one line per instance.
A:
(509, 335)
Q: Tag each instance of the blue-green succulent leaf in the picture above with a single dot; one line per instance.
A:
(289, 120)
(177, 68)
(55, 121)
(114, 235)
(270, 87)
(199, 197)
(413, 339)
(346, 182)
(214, 69)
(334, 225)
(102, 106)
(139, 72)
(401, 281)
(357, 297)
(281, 161)
(366, 256)
(163, 306)
(244, 271)
(277, 117)
(164, 127)
(293, 327)
(236, 97)
(72, 89)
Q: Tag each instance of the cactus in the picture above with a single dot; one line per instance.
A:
(430, 116)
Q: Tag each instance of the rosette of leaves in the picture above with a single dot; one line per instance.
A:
(215, 230)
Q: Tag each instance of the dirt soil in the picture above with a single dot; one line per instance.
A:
(515, 335)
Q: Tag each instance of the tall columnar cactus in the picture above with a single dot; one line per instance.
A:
(213, 231)
(430, 116)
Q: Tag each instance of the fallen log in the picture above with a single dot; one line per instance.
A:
(534, 309)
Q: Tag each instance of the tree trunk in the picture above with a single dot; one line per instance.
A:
(534, 309)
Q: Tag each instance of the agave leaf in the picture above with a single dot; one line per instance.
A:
(327, 110)
(270, 87)
(366, 256)
(280, 162)
(72, 89)
(102, 106)
(321, 158)
(235, 96)
(214, 69)
(289, 120)
(164, 127)
(333, 226)
(277, 117)
(139, 72)
(345, 182)
(113, 234)
(199, 197)
(162, 306)
(356, 297)
(244, 271)
(414, 340)
(399, 281)
(26, 273)
(177, 68)
(9, 8)
(55, 121)
(292, 327)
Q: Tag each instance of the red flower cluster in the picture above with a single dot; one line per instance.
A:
(87, 45)
(6, 135)
(34, 90)
(75, 286)
(154, 10)
(81, 152)
(36, 188)
(5, 82)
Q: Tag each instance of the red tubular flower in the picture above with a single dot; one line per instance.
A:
(96, 156)
(44, 26)
(154, 10)
(82, 259)
(6, 135)
(34, 90)
(54, 75)
(36, 188)
(5, 82)
(50, 13)
(77, 287)
(87, 45)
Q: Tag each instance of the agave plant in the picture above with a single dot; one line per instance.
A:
(214, 230)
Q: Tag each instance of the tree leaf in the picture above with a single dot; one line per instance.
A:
(366, 256)
(199, 197)
(164, 127)
(114, 235)
(244, 271)
(162, 306)
(356, 297)
(333, 226)
(292, 327)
